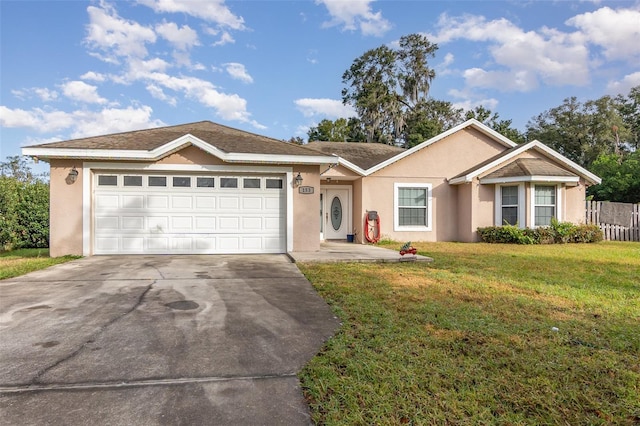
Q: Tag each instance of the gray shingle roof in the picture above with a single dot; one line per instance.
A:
(222, 137)
(529, 167)
(363, 155)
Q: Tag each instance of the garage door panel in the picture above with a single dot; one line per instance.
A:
(132, 201)
(252, 223)
(228, 243)
(163, 220)
(182, 223)
(272, 204)
(252, 203)
(132, 244)
(107, 244)
(180, 202)
(108, 222)
(206, 243)
(181, 243)
(206, 203)
(158, 243)
(252, 243)
(107, 201)
(157, 201)
(205, 223)
(229, 203)
(133, 223)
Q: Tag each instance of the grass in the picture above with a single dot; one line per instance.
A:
(487, 334)
(19, 262)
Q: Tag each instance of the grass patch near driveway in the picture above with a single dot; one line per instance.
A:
(19, 262)
(471, 338)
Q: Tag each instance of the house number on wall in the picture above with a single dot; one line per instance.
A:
(305, 189)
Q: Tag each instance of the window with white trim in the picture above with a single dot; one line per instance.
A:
(509, 205)
(412, 207)
(544, 204)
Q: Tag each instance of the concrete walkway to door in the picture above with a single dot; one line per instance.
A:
(148, 340)
(340, 251)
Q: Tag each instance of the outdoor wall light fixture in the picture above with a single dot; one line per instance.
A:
(298, 179)
(72, 176)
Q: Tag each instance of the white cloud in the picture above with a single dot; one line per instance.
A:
(80, 123)
(238, 72)
(44, 94)
(469, 100)
(522, 58)
(183, 38)
(116, 36)
(212, 10)
(324, 107)
(616, 31)
(227, 106)
(623, 87)
(80, 91)
(225, 38)
(508, 81)
(93, 76)
(355, 14)
(158, 93)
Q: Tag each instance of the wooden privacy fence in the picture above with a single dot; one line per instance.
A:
(617, 215)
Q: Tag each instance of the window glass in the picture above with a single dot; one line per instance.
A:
(157, 181)
(274, 183)
(509, 195)
(228, 182)
(545, 205)
(509, 215)
(205, 182)
(133, 181)
(105, 180)
(181, 182)
(251, 183)
(412, 206)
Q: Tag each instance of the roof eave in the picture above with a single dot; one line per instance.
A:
(170, 147)
(532, 178)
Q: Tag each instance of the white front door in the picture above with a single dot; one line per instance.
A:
(336, 213)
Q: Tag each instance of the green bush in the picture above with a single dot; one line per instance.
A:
(24, 214)
(558, 232)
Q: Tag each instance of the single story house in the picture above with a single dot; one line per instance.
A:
(207, 188)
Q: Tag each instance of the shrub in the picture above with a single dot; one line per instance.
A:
(24, 214)
(558, 232)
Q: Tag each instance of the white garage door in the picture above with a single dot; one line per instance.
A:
(188, 214)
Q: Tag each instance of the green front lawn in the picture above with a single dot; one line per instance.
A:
(19, 262)
(487, 334)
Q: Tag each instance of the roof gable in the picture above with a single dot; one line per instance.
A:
(572, 169)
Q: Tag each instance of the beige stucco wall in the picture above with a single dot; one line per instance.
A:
(65, 209)
(306, 210)
(435, 164)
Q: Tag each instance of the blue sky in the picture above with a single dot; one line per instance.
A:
(72, 69)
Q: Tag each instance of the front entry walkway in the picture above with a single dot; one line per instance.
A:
(340, 251)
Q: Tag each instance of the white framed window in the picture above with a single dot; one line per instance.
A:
(545, 202)
(509, 205)
(412, 207)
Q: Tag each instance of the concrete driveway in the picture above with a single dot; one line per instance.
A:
(146, 340)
